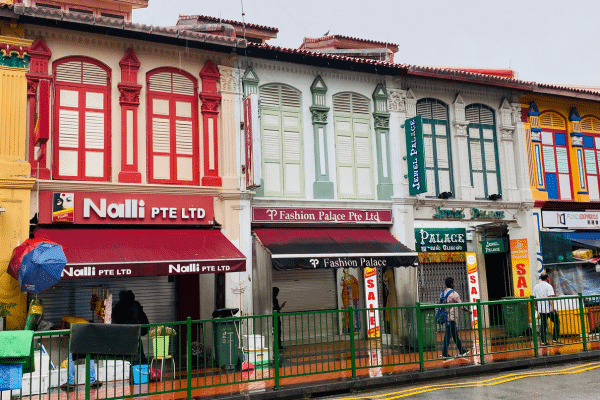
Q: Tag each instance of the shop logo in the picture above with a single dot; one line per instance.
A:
(128, 210)
(271, 213)
(314, 262)
(70, 272)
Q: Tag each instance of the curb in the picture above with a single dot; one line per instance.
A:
(365, 383)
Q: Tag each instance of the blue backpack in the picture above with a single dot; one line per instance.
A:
(441, 314)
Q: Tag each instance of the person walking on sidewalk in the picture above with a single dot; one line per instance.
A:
(546, 309)
(451, 328)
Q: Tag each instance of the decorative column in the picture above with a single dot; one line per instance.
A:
(381, 117)
(228, 150)
(577, 164)
(210, 114)
(396, 104)
(129, 101)
(506, 148)
(39, 107)
(322, 187)
(461, 125)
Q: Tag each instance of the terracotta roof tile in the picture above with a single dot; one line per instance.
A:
(227, 21)
(333, 37)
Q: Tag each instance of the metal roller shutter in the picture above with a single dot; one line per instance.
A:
(431, 279)
(157, 295)
(307, 290)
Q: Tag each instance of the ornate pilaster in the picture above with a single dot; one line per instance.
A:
(38, 70)
(129, 101)
(461, 125)
(210, 114)
(381, 120)
(507, 126)
(228, 128)
(322, 187)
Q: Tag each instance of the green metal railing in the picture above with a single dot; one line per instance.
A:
(202, 354)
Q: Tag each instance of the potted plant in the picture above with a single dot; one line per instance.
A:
(5, 312)
(161, 336)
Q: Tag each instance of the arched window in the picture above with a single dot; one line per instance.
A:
(283, 173)
(555, 156)
(590, 126)
(353, 146)
(436, 141)
(81, 140)
(173, 150)
(483, 151)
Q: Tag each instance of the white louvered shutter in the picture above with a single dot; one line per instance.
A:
(82, 120)
(282, 141)
(173, 103)
(353, 146)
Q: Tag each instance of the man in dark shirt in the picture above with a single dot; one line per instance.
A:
(278, 308)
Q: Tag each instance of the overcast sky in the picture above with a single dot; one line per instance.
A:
(545, 41)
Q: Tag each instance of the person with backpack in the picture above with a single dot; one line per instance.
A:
(450, 296)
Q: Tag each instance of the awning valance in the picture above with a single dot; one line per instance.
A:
(309, 248)
(98, 253)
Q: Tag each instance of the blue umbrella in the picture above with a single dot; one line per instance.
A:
(41, 267)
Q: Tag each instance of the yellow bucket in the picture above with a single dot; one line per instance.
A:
(161, 346)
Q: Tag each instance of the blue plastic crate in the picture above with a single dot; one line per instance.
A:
(11, 376)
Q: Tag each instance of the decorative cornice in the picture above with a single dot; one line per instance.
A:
(381, 120)
(461, 128)
(226, 79)
(319, 114)
(17, 183)
(130, 94)
(210, 102)
(107, 187)
(396, 100)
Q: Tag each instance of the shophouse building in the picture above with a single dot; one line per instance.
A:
(332, 147)
(562, 130)
(129, 132)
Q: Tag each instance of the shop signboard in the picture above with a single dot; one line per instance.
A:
(415, 155)
(125, 209)
(473, 277)
(519, 255)
(493, 246)
(372, 302)
(320, 215)
(440, 239)
(152, 269)
(571, 219)
(252, 142)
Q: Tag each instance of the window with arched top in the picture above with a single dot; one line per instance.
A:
(81, 138)
(173, 150)
(436, 143)
(590, 127)
(483, 151)
(555, 154)
(282, 149)
(353, 146)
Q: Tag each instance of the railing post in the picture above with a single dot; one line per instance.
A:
(188, 367)
(420, 336)
(352, 344)
(582, 320)
(480, 332)
(536, 349)
(87, 377)
(276, 328)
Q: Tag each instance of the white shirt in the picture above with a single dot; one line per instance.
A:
(541, 291)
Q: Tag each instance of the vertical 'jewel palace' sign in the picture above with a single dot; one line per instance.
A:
(415, 156)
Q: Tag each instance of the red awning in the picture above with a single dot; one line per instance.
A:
(308, 248)
(98, 253)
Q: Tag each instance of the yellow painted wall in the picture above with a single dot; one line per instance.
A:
(15, 178)
(561, 106)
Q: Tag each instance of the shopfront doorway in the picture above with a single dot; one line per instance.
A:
(498, 275)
